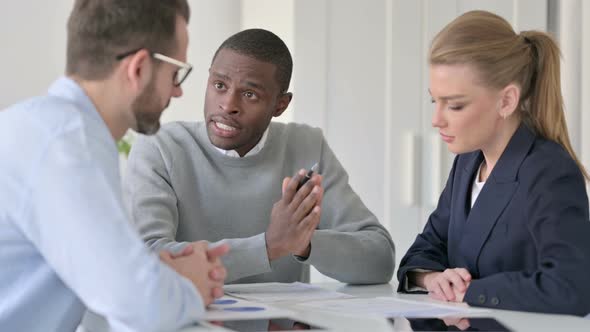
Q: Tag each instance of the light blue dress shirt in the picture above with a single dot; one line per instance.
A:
(65, 239)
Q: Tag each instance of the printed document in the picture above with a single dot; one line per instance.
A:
(390, 307)
(276, 292)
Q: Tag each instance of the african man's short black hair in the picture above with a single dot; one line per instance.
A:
(264, 46)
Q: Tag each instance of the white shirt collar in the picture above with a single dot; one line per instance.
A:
(255, 150)
(477, 186)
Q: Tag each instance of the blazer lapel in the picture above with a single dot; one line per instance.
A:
(490, 204)
(493, 198)
(461, 207)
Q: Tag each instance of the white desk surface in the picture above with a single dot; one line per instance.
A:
(517, 321)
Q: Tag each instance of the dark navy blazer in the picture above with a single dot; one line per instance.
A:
(526, 241)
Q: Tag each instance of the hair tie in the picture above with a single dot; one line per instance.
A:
(527, 40)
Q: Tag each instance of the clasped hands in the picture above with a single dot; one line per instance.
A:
(202, 266)
(449, 285)
(295, 217)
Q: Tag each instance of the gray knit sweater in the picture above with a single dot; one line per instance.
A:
(179, 188)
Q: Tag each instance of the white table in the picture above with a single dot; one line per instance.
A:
(517, 321)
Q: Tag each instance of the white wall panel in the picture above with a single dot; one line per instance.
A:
(311, 62)
(404, 146)
(530, 15)
(33, 35)
(355, 113)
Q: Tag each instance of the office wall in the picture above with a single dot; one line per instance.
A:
(33, 39)
(571, 24)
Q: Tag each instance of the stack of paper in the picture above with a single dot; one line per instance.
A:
(390, 307)
(276, 292)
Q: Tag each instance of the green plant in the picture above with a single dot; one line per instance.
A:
(124, 144)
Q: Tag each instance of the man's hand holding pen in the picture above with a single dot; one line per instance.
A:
(295, 217)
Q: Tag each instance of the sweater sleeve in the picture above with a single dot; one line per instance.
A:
(152, 202)
(350, 244)
(149, 196)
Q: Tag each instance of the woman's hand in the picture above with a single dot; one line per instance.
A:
(449, 285)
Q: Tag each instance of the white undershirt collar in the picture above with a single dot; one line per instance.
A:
(255, 150)
(477, 186)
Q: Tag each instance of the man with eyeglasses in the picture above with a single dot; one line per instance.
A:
(65, 242)
(234, 178)
(179, 75)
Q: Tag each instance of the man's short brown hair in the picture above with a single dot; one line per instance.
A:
(99, 30)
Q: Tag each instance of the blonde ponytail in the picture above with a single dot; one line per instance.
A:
(545, 111)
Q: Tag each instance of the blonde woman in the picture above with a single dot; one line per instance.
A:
(511, 228)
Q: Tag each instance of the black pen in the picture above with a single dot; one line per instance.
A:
(308, 176)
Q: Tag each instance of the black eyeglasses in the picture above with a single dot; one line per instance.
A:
(179, 76)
